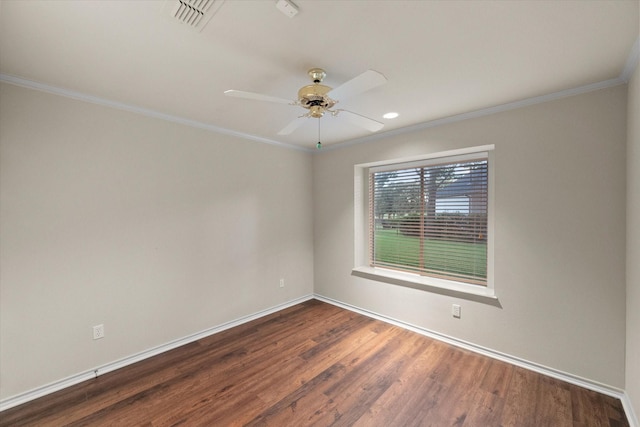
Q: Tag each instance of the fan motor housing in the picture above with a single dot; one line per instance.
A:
(314, 98)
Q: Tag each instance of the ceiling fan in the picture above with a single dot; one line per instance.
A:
(320, 99)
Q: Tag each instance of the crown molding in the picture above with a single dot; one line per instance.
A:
(483, 112)
(79, 96)
(628, 70)
(632, 62)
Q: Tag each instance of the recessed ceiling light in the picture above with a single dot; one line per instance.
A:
(391, 115)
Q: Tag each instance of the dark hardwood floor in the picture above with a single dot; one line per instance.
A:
(317, 364)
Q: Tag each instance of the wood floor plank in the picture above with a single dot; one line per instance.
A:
(520, 404)
(219, 381)
(315, 364)
(484, 409)
(292, 408)
(420, 406)
(614, 410)
(404, 392)
(310, 368)
(497, 378)
(587, 408)
(358, 393)
(553, 404)
(347, 363)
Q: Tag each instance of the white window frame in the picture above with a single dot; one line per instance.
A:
(414, 280)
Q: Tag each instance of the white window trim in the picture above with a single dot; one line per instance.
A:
(432, 284)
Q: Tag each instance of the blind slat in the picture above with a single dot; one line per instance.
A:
(431, 220)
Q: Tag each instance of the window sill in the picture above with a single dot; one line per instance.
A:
(429, 284)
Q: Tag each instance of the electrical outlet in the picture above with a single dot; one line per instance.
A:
(282, 283)
(455, 310)
(98, 332)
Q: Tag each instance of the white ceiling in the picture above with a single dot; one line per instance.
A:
(441, 58)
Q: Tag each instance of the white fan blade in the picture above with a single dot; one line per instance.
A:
(362, 121)
(256, 96)
(362, 83)
(295, 124)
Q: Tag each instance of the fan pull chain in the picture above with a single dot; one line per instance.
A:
(319, 144)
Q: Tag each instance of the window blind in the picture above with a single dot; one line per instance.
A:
(431, 219)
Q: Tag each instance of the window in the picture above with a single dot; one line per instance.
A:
(428, 221)
(431, 218)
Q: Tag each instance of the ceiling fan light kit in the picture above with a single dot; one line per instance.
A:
(315, 98)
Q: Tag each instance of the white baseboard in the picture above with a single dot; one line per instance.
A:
(93, 373)
(109, 367)
(628, 409)
(544, 370)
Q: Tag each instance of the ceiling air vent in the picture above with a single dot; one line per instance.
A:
(194, 13)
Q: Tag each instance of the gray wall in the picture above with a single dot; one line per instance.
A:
(159, 231)
(559, 234)
(633, 243)
(155, 229)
